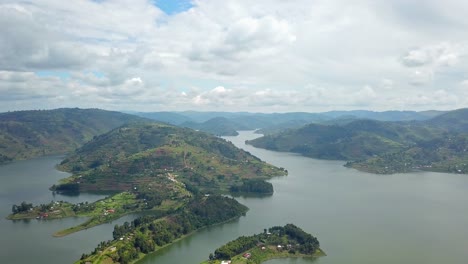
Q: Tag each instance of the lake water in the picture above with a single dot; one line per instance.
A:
(358, 217)
(31, 241)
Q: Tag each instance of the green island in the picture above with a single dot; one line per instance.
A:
(146, 234)
(288, 241)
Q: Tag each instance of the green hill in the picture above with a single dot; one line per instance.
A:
(28, 134)
(437, 144)
(357, 140)
(137, 154)
(456, 121)
(219, 126)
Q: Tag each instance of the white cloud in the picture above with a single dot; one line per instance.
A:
(235, 55)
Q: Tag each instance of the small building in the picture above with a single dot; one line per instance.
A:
(247, 255)
(225, 262)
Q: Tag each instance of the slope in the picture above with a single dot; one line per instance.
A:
(137, 154)
(28, 134)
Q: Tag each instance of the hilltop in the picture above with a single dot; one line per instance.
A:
(28, 134)
(137, 154)
(287, 241)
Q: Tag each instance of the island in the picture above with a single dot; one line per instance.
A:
(146, 234)
(287, 241)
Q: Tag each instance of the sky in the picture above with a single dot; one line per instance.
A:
(234, 55)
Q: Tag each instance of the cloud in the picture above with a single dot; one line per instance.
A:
(266, 55)
(443, 54)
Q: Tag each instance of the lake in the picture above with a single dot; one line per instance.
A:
(31, 241)
(358, 217)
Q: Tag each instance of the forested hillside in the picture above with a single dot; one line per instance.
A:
(28, 134)
(437, 144)
(137, 154)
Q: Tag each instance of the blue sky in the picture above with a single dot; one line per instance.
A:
(171, 7)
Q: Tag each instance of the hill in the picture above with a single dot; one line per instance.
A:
(456, 121)
(219, 126)
(165, 117)
(137, 154)
(437, 144)
(28, 134)
(357, 140)
(227, 123)
(287, 241)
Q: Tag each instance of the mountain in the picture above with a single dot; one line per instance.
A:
(219, 126)
(142, 153)
(385, 115)
(227, 123)
(437, 144)
(165, 117)
(456, 121)
(28, 134)
(359, 139)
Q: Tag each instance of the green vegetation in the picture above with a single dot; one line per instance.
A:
(28, 134)
(277, 242)
(253, 186)
(153, 167)
(104, 210)
(140, 154)
(382, 147)
(227, 124)
(132, 241)
(219, 126)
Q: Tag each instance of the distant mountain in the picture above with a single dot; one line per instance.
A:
(269, 123)
(28, 134)
(456, 120)
(138, 154)
(165, 117)
(386, 115)
(437, 144)
(219, 126)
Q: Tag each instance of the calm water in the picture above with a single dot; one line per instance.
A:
(358, 217)
(31, 241)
